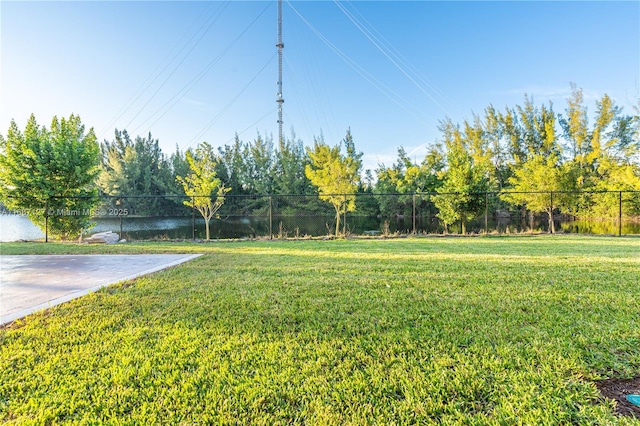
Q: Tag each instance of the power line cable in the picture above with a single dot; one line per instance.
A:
(230, 103)
(315, 81)
(294, 93)
(155, 74)
(377, 44)
(387, 91)
(404, 61)
(173, 71)
(187, 87)
(312, 80)
(274, 109)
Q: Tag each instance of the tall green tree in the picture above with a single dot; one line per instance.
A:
(260, 163)
(511, 131)
(179, 167)
(134, 168)
(50, 173)
(206, 191)
(390, 185)
(290, 162)
(336, 175)
(610, 162)
(231, 165)
(576, 133)
(494, 133)
(537, 169)
(533, 183)
(464, 180)
(397, 184)
(603, 154)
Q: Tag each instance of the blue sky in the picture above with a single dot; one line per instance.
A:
(194, 71)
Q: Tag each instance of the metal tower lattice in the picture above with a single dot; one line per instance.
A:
(280, 46)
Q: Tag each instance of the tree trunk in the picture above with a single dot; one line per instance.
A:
(552, 225)
(337, 220)
(206, 227)
(530, 221)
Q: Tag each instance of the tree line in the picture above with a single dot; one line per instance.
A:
(517, 152)
(523, 151)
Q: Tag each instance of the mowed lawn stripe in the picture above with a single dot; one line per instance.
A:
(426, 330)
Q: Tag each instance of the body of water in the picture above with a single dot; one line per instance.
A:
(17, 227)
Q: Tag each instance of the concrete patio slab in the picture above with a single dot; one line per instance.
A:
(29, 283)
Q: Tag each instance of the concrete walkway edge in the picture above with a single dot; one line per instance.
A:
(68, 297)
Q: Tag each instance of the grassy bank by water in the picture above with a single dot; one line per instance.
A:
(499, 330)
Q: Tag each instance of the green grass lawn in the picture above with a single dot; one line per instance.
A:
(492, 330)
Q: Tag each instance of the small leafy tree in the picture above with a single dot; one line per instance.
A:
(616, 177)
(399, 182)
(336, 175)
(463, 180)
(50, 174)
(201, 184)
(533, 183)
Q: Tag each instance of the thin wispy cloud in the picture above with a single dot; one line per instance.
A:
(202, 106)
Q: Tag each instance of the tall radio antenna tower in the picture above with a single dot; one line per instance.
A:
(280, 46)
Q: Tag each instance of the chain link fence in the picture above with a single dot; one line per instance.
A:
(170, 217)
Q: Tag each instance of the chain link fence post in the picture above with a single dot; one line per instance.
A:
(193, 217)
(46, 221)
(620, 213)
(414, 213)
(120, 215)
(270, 217)
(344, 218)
(551, 223)
(486, 213)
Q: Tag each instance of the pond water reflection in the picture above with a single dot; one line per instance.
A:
(17, 227)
